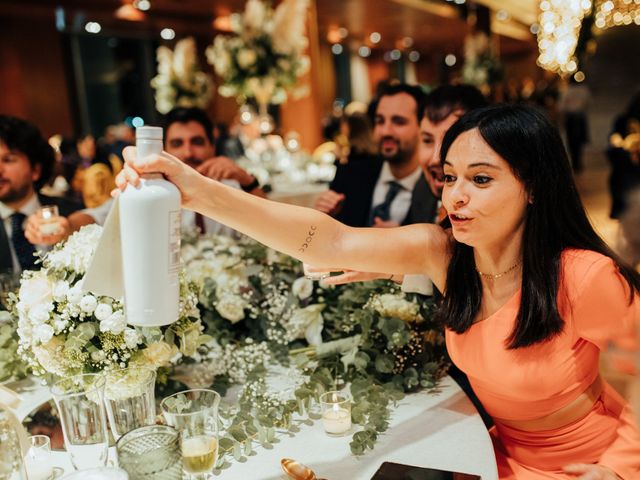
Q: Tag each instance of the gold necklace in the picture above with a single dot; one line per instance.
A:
(493, 276)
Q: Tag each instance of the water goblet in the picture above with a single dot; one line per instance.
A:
(130, 399)
(80, 402)
(194, 413)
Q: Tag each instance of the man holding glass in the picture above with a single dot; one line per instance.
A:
(26, 163)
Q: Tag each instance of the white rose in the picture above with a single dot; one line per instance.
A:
(103, 311)
(246, 58)
(44, 333)
(60, 290)
(88, 304)
(40, 313)
(231, 308)
(74, 295)
(115, 324)
(302, 288)
(35, 290)
(131, 338)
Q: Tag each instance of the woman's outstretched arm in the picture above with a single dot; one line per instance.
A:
(306, 234)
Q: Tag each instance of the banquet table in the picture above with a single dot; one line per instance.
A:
(439, 429)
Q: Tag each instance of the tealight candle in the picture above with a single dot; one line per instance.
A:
(314, 275)
(336, 413)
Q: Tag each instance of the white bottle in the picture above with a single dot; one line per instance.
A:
(150, 237)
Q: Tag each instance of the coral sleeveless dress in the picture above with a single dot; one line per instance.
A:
(533, 382)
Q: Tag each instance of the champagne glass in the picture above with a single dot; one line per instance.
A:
(194, 413)
(49, 219)
(80, 402)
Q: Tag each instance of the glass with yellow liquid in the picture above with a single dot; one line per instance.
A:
(194, 413)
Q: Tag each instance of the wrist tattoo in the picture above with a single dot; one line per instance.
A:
(308, 239)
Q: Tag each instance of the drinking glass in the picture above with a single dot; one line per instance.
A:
(37, 461)
(130, 399)
(80, 402)
(49, 219)
(194, 413)
(151, 453)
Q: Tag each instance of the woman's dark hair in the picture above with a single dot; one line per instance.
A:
(18, 134)
(554, 221)
(360, 135)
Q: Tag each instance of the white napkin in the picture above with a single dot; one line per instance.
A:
(104, 276)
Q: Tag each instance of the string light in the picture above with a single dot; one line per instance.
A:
(560, 22)
(613, 13)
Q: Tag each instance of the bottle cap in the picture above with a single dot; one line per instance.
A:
(149, 133)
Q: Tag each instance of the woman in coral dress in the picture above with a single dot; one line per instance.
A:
(532, 294)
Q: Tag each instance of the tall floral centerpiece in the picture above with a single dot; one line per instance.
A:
(63, 330)
(263, 58)
(180, 82)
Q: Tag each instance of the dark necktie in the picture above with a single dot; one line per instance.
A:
(24, 250)
(382, 210)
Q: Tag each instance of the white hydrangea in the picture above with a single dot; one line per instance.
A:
(43, 333)
(88, 304)
(302, 288)
(35, 290)
(39, 314)
(60, 290)
(132, 338)
(115, 323)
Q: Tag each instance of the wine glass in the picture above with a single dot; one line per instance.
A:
(194, 413)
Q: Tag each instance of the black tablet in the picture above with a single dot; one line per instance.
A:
(397, 471)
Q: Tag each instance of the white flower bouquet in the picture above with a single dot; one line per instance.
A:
(180, 82)
(63, 330)
(263, 59)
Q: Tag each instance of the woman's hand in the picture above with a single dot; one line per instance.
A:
(350, 276)
(586, 471)
(188, 181)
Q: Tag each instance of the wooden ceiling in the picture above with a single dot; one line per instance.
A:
(433, 25)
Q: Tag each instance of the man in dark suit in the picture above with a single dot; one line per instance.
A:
(379, 192)
(26, 163)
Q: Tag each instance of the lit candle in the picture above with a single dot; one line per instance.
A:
(336, 412)
(336, 420)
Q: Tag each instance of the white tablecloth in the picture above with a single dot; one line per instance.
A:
(439, 430)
